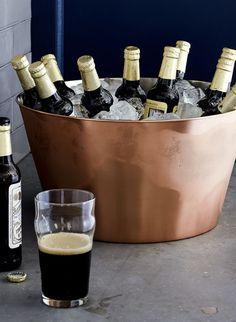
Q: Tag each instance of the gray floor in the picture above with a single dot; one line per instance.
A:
(190, 280)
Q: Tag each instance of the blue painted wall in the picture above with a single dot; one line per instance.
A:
(103, 28)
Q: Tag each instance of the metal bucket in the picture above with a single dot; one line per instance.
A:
(153, 180)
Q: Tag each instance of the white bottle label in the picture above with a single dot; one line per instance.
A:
(14, 215)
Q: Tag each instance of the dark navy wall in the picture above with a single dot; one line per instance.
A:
(103, 28)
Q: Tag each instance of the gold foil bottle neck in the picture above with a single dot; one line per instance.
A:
(183, 45)
(228, 53)
(19, 62)
(225, 64)
(46, 58)
(37, 69)
(171, 52)
(86, 63)
(132, 53)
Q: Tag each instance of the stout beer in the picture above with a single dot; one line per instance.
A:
(65, 265)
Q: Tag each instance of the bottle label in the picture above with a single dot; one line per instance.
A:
(151, 107)
(14, 215)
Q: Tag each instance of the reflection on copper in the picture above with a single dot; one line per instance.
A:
(153, 181)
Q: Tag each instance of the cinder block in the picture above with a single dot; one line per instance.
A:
(22, 39)
(9, 81)
(20, 145)
(6, 45)
(6, 109)
(14, 11)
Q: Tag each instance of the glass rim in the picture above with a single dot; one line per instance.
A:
(36, 198)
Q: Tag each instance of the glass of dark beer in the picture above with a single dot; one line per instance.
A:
(64, 225)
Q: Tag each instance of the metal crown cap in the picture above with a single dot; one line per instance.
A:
(37, 69)
(19, 62)
(225, 64)
(85, 63)
(46, 58)
(228, 53)
(183, 45)
(171, 52)
(132, 53)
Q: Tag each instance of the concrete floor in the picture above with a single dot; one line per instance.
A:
(192, 280)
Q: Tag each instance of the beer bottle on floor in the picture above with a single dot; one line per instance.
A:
(163, 97)
(30, 96)
(52, 102)
(10, 202)
(218, 88)
(130, 86)
(56, 76)
(95, 98)
(184, 47)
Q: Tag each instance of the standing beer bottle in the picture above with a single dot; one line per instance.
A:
(228, 53)
(95, 98)
(184, 47)
(163, 96)
(130, 86)
(56, 76)
(10, 202)
(52, 102)
(218, 88)
(30, 96)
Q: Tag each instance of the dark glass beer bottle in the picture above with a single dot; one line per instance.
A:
(56, 76)
(30, 96)
(10, 202)
(130, 86)
(218, 88)
(163, 96)
(52, 102)
(184, 47)
(95, 98)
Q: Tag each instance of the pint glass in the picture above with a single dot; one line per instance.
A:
(64, 225)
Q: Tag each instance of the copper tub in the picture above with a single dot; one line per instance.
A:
(153, 180)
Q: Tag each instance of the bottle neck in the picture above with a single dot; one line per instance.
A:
(168, 68)
(45, 86)
(229, 102)
(90, 80)
(165, 82)
(182, 61)
(221, 80)
(25, 78)
(131, 70)
(54, 71)
(5, 144)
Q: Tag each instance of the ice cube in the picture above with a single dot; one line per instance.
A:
(111, 84)
(137, 104)
(192, 95)
(119, 111)
(79, 110)
(186, 110)
(78, 89)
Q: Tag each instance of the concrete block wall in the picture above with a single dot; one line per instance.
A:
(15, 39)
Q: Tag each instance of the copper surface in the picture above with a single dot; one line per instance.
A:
(153, 181)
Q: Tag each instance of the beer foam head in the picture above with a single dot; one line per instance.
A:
(65, 243)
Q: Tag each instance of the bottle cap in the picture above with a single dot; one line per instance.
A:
(19, 62)
(183, 45)
(46, 58)
(16, 277)
(85, 63)
(172, 52)
(228, 53)
(37, 69)
(132, 53)
(225, 64)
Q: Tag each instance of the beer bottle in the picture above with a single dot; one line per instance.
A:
(30, 96)
(52, 102)
(56, 76)
(228, 53)
(10, 202)
(218, 88)
(163, 96)
(184, 47)
(130, 86)
(229, 102)
(95, 98)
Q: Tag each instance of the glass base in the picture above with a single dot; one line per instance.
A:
(64, 303)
